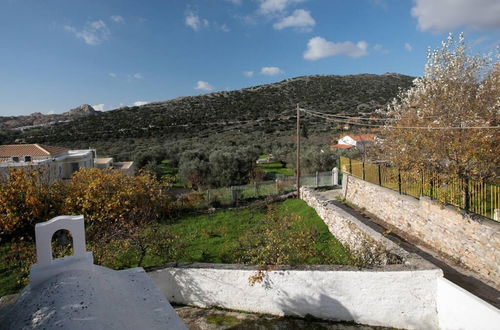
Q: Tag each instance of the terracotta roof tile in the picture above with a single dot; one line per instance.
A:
(341, 146)
(361, 137)
(33, 150)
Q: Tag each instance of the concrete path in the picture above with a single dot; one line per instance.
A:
(451, 270)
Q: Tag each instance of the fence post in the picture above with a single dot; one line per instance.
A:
(466, 194)
(208, 195)
(317, 179)
(379, 175)
(335, 176)
(233, 195)
(350, 166)
(496, 214)
(399, 181)
(422, 184)
(255, 189)
(363, 170)
(277, 188)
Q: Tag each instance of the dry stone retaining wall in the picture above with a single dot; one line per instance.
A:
(364, 242)
(473, 242)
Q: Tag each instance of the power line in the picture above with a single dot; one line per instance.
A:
(343, 121)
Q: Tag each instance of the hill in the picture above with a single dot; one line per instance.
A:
(253, 114)
(37, 119)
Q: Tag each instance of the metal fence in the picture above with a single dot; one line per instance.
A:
(484, 197)
(282, 184)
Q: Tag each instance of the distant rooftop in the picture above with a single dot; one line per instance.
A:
(33, 150)
(103, 160)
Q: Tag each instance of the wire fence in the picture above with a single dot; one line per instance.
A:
(478, 197)
(282, 184)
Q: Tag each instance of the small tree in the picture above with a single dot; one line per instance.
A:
(457, 101)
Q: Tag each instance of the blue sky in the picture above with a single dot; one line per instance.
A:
(57, 54)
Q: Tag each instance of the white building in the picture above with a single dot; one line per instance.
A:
(354, 141)
(126, 168)
(60, 162)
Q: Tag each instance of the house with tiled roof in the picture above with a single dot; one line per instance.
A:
(60, 162)
(349, 141)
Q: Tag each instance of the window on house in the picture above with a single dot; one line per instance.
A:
(15, 159)
(27, 159)
(74, 167)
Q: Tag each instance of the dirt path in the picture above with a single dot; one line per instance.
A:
(208, 319)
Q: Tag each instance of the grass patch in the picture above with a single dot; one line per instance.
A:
(275, 168)
(217, 237)
(9, 273)
(168, 171)
(223, 320)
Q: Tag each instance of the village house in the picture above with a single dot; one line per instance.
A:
(127, 168)
(349, 141)
(60, 162)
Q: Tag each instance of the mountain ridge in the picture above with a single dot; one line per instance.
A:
(257, 114)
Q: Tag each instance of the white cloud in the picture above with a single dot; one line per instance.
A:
(139, 103)
(299, 19)
(248, 74)
(272, 6)
(224, 28)
(138, 75)
(408, 47)
(203, 86)
(99, 107)
(379, 48)
(93, 33)
(270, 71)
(318, 47)
(51, 112)
(117, 19)
(195, 22)
(112, 75)
(446, 15)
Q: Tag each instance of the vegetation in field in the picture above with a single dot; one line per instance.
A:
(285, 233)
(273, 168)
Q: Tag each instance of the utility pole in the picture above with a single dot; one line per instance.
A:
(297, 167)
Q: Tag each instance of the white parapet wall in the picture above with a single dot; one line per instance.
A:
(459, 309)
(384, 297)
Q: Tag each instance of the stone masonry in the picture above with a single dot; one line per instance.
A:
(364, 242)
(473, 242)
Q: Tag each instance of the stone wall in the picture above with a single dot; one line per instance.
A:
(474, 242)
(364, 242)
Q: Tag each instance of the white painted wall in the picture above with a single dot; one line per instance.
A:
(401, 299)
(347, 140)
(460, 310)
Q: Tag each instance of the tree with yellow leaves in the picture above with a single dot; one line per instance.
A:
(448, 122)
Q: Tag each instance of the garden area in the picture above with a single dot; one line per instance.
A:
(263, 233)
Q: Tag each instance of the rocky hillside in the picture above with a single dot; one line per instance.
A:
(265, 108)
(38, 119)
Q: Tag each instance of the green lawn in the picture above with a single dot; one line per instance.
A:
(217, 238)
(171, 172)
(271, 169)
